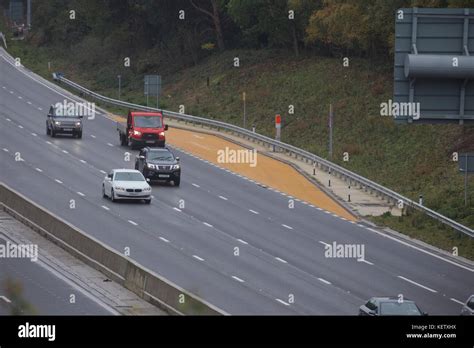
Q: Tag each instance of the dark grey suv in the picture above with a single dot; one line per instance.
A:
(378, 306)
(56, 123)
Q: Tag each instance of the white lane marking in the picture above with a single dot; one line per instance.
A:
(8, 120)
(4, 87)
(4, 298)
(198, 258)
(40, 109)
(28, 102)
(238, 279)
(5, 149)
(111, 145)
(82, 161)
(58, 181)
(132, 222)
(457, 301)
(92, 136)
(325, 244)
(20, 126)
(286, 226)
(177, 209)
(106, 208)
(39, 170)
(319, 208)
(48, 142)
(195, 185)
(419, 249)
(207, 224)
(65, 151)
(11, 92)
(34, 134)
(365, 261)
(282, 302)
(281, 260)
(164, 240)
(222, 197)
(254, 212)
(80, 194)
(103, 172)
(242, 241)
(324, 281)
(20, 97)
(417, 284)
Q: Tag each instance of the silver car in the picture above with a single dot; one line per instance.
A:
(468, 308)
(126, 184)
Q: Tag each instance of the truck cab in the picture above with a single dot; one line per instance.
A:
(143, 129)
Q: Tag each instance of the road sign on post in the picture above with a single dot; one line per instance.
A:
(278, 127)
(153, 88)
(466, 166)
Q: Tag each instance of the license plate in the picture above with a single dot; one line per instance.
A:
(133, 193)
(150, 141)
(163, 176)
(67, 129)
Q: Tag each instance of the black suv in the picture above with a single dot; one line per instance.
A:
(159, 164)
(57, 123)
(377, 306)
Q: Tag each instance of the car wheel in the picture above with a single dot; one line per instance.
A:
(79, 135)
(177, 182)
(53, 133)
(147, 201)
(48, 132)
(103, 192)
(112, 195)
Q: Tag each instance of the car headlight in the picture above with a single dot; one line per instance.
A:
(118, 188)
(151, 166)
(162, 134)
(176, 166)
(78, 124)
(135, 132)
(57, 123)
(147, 189)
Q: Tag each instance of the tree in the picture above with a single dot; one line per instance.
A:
(214, 14)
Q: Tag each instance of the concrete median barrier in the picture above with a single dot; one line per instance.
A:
(142, 281)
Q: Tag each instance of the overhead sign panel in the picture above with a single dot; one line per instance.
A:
(434, 65)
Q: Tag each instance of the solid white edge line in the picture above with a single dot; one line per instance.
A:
(286, 226)
(198, 258)
(242, 241)
(132, 222)
(106, 208)
(365, 261)
(208, 224)
(324, 281)
(282, 302)
(281, 260)
(238, 279)
(164, 239)
(457, 301)
(417, 284)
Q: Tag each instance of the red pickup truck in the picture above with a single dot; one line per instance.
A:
(142, 129)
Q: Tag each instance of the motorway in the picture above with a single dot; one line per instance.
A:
(234, 243)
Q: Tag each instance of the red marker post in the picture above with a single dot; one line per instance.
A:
(278, 127)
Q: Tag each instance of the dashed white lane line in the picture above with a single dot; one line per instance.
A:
(254, 212)
(281, 260)
(132, 222)
(198, 258)
(34, 134)
(106, 208)
(323, 243)
(164, 239)
(5, 149)
(365, 261)
(40, 109)
(457, 301)
(39, 170)
(82, 161)
(238, 279)
(103, 172)
(92, 136)
(207, 224)
(28, 102)
(4, 87)
(64, 151)
(223, 198)
(111, 145)
(419, 249)
(20, 97)
(20, 126)
(58, 181)
(177, 209)
(6, 299)
(417, 284)
(8, 120)
(195, 185)
(80, 194)
(48, 142)
(282, 302)
(242, 241)
(286, 226)
(11, 92)
(324, 281)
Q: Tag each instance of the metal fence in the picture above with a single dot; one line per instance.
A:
(334, 169)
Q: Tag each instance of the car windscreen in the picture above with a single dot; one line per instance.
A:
(148, 121)
(128, 176)
(396, 308)
(160, 156)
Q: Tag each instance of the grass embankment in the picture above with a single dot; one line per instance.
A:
(412, 160)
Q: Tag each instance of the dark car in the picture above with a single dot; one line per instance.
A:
(378, 306)
(468, 308)
(159, 164)
(57, 123)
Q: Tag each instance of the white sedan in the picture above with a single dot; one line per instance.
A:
(126, 184)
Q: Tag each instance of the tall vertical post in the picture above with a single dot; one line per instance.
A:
(119, 85)
(465, 180)
(245, 115)
(331, 116)
(28, 14)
